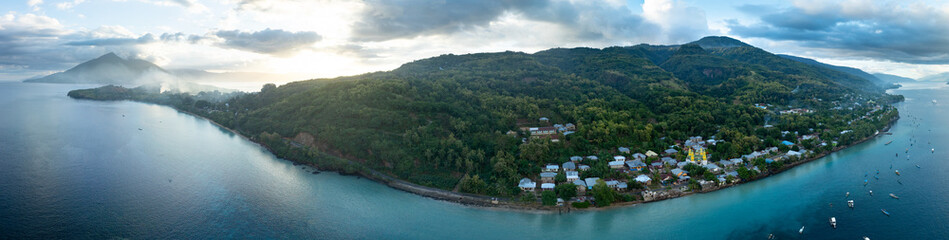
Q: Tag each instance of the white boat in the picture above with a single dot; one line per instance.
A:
(850, 203)
(894, 196)
(866, 238)
(848, 194)
(871, 192)
(833, 222)
(801, 231)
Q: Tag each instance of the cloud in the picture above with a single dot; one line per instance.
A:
(34, 4)
(69, 5)
(268, 41)
(144, 39)
(910, 33)
(662, 21)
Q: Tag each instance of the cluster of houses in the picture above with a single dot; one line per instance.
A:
(550, 132)
(643, 167)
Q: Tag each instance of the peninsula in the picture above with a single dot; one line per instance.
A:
(577, 127)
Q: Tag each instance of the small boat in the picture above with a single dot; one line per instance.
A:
(933, 150)
(833, 222)
(888, 143)
(850, 203)
(848, 194)
(885, 212)
(878, 178)
(917, 166)
(901, 182)
(865, 181)
(801, 231)
(897, 172)
(770, 236)
(871, 192)
(894, 196)
(866, 238)
(140, 129)
(878, 171)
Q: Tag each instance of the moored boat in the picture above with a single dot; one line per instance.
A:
(894, 196)
(833, 222)
(801, 231)
(885, 212)
(897, 172)
(850, 203)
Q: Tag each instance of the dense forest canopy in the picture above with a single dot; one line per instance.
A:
(439, 120)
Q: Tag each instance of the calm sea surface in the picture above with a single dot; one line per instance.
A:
(95, 170)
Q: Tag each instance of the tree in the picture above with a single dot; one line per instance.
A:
(566, 191)
(745, 174)
(603, 194)
(549, 198)
(267, 87)
(473, 184)
(560, 178)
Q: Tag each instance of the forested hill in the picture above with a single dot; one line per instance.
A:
(435, 121)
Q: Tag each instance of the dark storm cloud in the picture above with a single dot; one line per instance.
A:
(267, 41)
(385, 20)
(915, 34)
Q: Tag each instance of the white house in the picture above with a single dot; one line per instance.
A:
(572, 176)
(642, 178)
(617, 164)
(650, 153)
(552, 167)
(527, 185)
(547, 186)
(619, 158)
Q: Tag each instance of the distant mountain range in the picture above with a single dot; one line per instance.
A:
(112, 69)
(939, 77)
(893, 78)
(885, 83)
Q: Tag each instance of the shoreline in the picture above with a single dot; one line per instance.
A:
(486, 202)
(492, 203)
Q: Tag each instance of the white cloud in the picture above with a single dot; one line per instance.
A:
(34, 4)
(69, 5)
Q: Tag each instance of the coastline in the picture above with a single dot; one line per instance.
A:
(486, 202)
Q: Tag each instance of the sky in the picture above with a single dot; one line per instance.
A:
(329, 38)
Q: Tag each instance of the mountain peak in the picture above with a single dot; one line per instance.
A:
(719, 42)
(109, 56)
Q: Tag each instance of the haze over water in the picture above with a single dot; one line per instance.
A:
(88, 169)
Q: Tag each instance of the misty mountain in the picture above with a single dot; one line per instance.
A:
(893, 78)
(849, 70)
(107, 69)
(939, 77)
(114, 70)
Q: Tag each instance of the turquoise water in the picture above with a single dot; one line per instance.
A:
(80, 169)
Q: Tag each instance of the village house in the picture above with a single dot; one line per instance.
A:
(594, 158)
(669, 161)
(547, 186)
(590, 182)
(636, 165)
(678, 172)
(537, 132)
(619, 158)
(570, 127)
(527, 185)
(713, 168)
(583, 167)
(552, 167)
(624, 149)
(651, 154)
(656, 165)
(581, 187)
(576, 158)
(569, 166)
(547, 177)
(572, 176)
(645, 180)
(671, 151)
(639, 156)
(544, 119)
(617, 164)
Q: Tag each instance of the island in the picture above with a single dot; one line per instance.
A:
(560, 129)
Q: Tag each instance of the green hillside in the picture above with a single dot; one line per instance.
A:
(435, 121)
